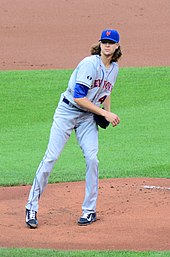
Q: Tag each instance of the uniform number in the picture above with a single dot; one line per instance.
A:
(101, 100)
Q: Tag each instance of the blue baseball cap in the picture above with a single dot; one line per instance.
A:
(111, 35)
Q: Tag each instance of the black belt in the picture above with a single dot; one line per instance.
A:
(65, 100)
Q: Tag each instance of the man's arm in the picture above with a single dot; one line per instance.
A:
(107, 103)
(86, 104)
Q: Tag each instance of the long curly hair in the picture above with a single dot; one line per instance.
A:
(96, 50)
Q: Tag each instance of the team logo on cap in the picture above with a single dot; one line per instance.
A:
(108, 33)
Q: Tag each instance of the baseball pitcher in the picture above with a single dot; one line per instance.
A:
(79, 109)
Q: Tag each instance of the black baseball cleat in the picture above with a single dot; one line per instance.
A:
(31, 218)
(87, 219)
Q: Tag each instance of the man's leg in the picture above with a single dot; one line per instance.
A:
(59, 135)
(87, 135)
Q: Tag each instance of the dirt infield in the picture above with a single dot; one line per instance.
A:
(58, 35)
(129, 217)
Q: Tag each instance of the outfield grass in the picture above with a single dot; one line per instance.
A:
(53, 253)
(138, 147)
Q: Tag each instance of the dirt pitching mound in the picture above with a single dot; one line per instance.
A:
(129, 215)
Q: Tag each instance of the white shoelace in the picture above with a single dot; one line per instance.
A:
(85, 215)
(32, 214)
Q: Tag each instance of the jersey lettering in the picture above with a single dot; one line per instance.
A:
(107, 85)
(97, 83)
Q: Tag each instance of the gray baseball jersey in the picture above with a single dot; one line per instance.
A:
(92, 73)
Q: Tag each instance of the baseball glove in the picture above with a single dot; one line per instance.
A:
(101, 121)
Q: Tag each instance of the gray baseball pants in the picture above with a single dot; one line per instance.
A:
(66, 119)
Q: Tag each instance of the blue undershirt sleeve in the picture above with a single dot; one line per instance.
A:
(80, 91)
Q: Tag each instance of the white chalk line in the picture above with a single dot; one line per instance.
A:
(156, 187)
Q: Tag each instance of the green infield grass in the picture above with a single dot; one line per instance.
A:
(138, 147)
(54, 253)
